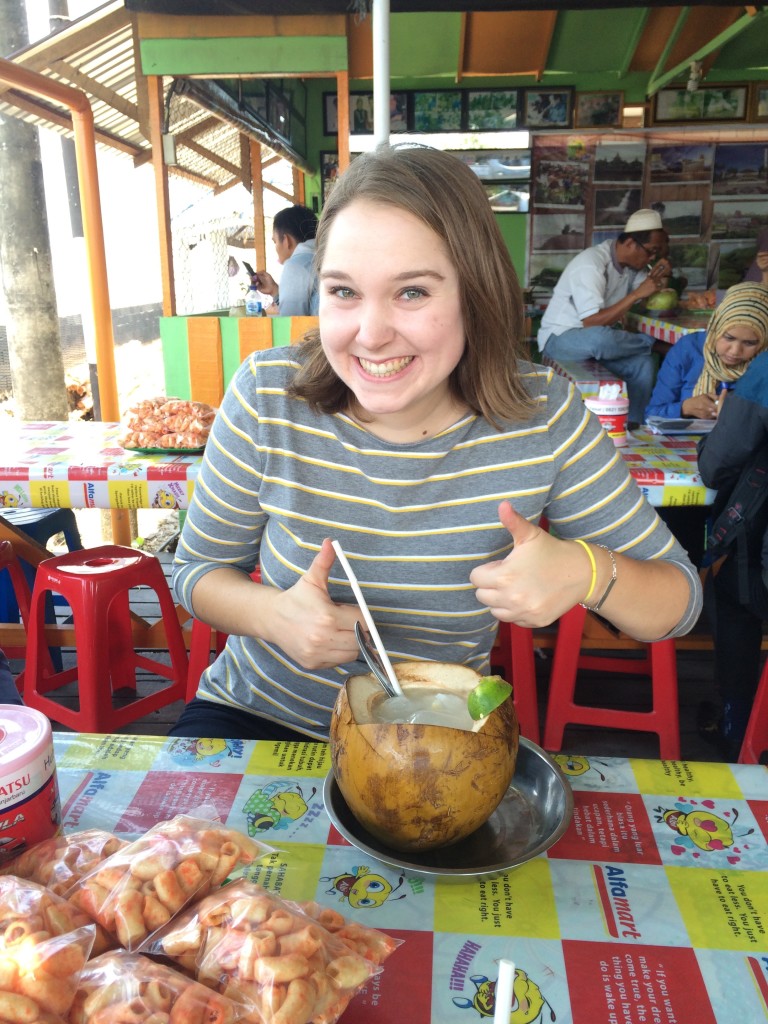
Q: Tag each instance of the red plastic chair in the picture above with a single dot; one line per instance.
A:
(659, 662)
(96, 583)
(514, 652)
(756, 736)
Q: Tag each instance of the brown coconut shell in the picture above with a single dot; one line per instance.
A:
(418, 787)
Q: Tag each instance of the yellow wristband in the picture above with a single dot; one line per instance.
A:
(593, 563)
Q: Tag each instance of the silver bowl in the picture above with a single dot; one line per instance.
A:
(533, 815)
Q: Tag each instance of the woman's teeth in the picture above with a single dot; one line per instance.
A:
(392, 366)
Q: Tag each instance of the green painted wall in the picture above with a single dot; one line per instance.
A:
(272, 55)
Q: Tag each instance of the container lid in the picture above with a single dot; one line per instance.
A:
(24, 735)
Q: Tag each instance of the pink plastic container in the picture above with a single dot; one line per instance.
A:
(612, 413)
(29, 794)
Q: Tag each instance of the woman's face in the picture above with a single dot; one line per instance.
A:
(390, 314)
(737, 345)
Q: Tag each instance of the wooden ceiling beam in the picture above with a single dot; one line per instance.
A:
(214, 158)
(657, 82)
(95, 88)
(634, 38)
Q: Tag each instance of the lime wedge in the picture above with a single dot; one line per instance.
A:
(489, 693)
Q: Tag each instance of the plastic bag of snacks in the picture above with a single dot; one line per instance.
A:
(141, 887)
(59, 862)
(38, 977)
(248, 943)
(167, 423)
(125, 988)
(27, 908)
(374, 945)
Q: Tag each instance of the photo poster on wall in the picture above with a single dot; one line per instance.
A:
(712, 198)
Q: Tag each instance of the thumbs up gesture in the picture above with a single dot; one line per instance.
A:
(311, 628)
(540, 579)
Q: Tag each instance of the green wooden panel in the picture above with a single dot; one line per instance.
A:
(585, 40)
(281, 331)
(514, 230)
(230, 347)
(272, 55)
(173, 336)
(425, 45)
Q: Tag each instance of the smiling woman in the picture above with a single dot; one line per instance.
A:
(411, 430)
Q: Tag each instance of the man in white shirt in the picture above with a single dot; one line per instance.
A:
(293, 232)
(584, 317)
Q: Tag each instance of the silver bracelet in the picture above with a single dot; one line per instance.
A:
(611, 581)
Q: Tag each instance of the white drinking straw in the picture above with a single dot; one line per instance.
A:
(503, 992)
(367, 616)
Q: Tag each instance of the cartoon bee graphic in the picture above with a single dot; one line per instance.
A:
(705, 830)
(275, 806)
(164, 499)
(574, 766)
(528, 1004)
(212, 751)
(362, 889)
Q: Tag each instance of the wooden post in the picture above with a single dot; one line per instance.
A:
(156, 113)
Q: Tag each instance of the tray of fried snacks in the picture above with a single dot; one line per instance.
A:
(126, 988)
(28, 908)
(38, 977)
(166, 424)
(59, 862)
(249, 943)
(139, 889)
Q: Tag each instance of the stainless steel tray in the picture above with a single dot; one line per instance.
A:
(533, 815)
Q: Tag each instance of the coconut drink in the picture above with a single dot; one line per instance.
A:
(415, 785)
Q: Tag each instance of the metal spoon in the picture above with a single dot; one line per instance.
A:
(371, 656)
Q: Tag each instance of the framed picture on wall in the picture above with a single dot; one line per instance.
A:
(438, 111)
(759, 110)
(492, 110)
(548, 108)
(329, 170)
(599, 109)
(330, 113)
(707, 103)
(361, 113)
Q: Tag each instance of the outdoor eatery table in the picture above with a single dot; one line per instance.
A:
(79, 464)
(671, 328)
(653, 907)
(587, 374)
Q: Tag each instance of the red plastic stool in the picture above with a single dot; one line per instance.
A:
(96, 583)
(659, 663)
(513, 651)
(756, 736)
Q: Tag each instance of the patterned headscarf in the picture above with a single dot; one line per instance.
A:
(744, 305)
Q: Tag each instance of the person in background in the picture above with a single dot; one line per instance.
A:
(696, 368)
(9, 694)
(293, 232)
(410, 429)
(694, 375)
(741, 432)
(584, 317)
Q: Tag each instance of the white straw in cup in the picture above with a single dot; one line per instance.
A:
(367, 616)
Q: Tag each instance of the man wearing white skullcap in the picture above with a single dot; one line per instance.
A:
(584, 317)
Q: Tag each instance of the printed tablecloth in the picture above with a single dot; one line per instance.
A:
(81, 465)
(652, 909)
(671, 329)
(587, 374)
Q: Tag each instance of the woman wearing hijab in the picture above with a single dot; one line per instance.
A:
(696, 374)
(703, 364)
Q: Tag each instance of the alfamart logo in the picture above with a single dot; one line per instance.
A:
(613, 890)
(90, 495)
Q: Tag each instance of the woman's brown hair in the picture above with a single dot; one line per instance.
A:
(444, 194)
